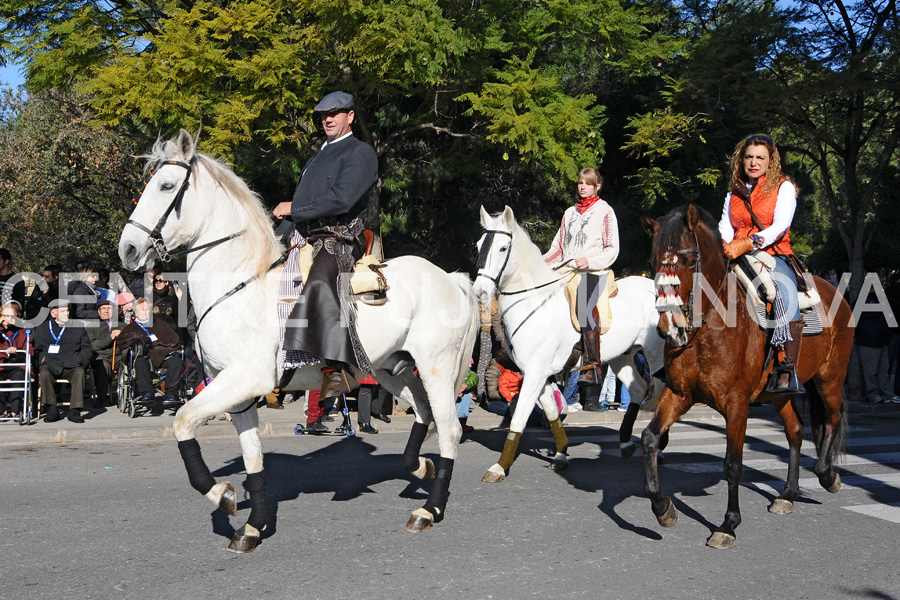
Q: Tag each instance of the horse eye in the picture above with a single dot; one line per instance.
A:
(167, 187)
(692, 264)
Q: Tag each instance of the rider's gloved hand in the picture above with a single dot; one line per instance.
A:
(737, 247)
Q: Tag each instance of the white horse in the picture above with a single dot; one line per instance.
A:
(428, 322)
(540, 334)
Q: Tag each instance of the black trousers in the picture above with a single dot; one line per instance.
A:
(143, 373)
(371, 399)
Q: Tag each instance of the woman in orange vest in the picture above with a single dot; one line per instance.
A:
(757, 215)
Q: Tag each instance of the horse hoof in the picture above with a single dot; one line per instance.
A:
(780, 506)
(228, 501)
(670, 517)
(494, 474)
(720, 540)
(420, 520)
(426, 469)
(628, 450)
(836, 485)
(242, 543)
(560, 463)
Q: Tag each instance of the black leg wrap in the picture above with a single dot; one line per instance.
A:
(410, 459)
(198, 473)
(259, 500)
(440, 491)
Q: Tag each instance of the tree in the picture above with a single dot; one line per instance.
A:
(497, 80)
(65, 186)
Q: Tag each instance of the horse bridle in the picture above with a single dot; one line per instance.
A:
(482, 259)
(155, 234)
(688, 309)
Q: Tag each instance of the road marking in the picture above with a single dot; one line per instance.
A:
(888, 512)
(848, 482)
(762, 464)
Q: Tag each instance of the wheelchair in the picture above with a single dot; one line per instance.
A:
(127, 399)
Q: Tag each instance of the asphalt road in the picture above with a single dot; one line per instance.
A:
(117, 519)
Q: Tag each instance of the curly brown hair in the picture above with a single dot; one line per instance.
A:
(774, 175)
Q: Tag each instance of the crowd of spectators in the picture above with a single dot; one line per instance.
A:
(80, 328)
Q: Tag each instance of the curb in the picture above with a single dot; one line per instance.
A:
(110, 425)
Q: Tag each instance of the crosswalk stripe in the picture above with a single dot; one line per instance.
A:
(762, 464)
(888, 512)
(848, 482)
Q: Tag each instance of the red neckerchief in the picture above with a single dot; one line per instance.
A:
(585, 203)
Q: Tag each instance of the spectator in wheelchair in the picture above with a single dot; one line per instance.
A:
(161, 347)
(12, 350)
(63, 353)
(102, 336)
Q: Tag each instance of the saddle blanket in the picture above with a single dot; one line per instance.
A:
(603, 310)
(761, 290)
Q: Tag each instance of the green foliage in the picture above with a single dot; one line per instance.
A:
(529, 113)
(65, 186)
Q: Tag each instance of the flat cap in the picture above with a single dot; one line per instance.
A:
(104, 302)
(58, 303)
(335, 101)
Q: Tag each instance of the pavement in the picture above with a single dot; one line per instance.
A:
(111, 425)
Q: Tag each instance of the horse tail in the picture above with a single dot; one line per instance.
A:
(816, 407)
(468, 346)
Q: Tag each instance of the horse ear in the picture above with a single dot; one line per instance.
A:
(508, 217)
(485, 217)
(651, 226)
(185, 144)
(691, 217)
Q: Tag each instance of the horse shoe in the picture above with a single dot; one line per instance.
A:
(836, 485)
(780, 506)
(420, 520)
(494, 475)
(720, 540)
(242, 542)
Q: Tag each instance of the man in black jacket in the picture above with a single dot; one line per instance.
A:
(330, 198)
(64, 351)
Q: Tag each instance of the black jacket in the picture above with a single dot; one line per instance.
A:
(75, 347)
(336, 182)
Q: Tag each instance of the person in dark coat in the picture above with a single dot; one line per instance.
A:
(102, 335)
(44, 292)
(872, 337)
(161, 351)
(11, 288)
(83, 295)
(64, 351)
(328, 202)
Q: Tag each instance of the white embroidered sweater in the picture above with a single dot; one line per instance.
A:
(593, 235)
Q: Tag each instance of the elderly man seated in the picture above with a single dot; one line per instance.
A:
(65, 351)
(161, 345)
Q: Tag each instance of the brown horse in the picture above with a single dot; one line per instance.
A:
(719, 358)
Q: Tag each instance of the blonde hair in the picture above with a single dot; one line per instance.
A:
(591, 176)
(774, 175)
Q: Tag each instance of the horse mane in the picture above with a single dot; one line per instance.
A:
(528, 254)
(672, 227)
(258, 225)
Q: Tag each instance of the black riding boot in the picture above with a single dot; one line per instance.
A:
(785, 379)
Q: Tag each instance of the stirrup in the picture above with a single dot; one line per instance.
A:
(794, 385)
